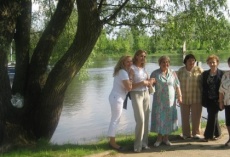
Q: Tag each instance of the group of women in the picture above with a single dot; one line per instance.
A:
(199, 88)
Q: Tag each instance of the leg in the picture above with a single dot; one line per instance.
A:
(159, 140)
(166, 140)
(116, 111)
(185, 113)
(146, 111)
(210, 126)
(196, 110)
(217, 131)
(137, 103)
(227, 121)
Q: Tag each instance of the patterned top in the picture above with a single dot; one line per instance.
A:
(164, 113)
(207, 86)
(225, 87)
(190, 83)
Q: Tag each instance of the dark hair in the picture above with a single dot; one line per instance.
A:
(229, 60)
(187, 57)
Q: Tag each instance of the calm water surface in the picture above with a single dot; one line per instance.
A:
(86, 112)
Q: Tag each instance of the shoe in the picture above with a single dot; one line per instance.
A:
(119, 149)
(227, 143)
(186, 137)
(204, 140)
(157, 143)
(137, 151)
(197, 136)
(217, 138)
(145, 148)
(167, 142)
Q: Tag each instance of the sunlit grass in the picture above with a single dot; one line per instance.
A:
(45, 149)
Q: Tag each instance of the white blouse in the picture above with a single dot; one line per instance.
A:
(139, 75)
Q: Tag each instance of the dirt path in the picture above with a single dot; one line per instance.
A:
(182, 148)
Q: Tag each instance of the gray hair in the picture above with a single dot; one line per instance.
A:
(162, 58)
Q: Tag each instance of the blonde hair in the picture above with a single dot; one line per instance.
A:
(212, 57)
(162, 58)
(138, 52)
(120, 64)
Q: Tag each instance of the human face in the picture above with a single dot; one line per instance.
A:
(190, 63)
(128, 62)
(141, 57)
(213, 64)
(164, 64)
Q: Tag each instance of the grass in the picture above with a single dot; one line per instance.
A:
(45, 149)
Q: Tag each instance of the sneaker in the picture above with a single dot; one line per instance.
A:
(137, 151)
(168, 143)
(197, 136)
(145, 148)
(157, 143)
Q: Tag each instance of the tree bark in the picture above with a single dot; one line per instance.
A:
(43, 93)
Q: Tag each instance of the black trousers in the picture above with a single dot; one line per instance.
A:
(212, 128)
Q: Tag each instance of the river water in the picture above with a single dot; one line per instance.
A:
(86, 113)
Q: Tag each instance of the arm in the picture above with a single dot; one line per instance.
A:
(127, 84)
(142, 83)
(178, 90)
(221, 94)
(221, 100)
(179, 95)
(139, 84)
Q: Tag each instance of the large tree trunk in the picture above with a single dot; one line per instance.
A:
(43, 93)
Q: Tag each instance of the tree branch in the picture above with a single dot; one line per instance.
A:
(113, 16)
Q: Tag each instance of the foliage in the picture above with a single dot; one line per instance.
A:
(65, 35)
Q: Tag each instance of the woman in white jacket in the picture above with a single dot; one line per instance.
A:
(224, 99)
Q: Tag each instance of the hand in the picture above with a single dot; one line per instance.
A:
(179, 100)
(146, 83)
(131, 73)
(152, 81)
(221, 105)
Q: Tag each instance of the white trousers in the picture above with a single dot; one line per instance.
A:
(116, 103)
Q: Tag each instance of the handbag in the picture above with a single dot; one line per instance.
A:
(151, 89)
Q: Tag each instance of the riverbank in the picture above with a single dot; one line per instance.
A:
(180, 148)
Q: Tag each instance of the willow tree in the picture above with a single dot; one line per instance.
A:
(43, 93)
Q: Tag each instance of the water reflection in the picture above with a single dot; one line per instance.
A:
(86, 112)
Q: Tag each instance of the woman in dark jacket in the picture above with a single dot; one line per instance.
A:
(210, 94)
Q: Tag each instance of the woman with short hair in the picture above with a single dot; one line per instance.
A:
(190, 84)
(210, 95)
(164, 119)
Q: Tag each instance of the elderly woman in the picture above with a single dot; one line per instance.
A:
(190, 83)
(210, 95)
(224, 99)
(121, 85)
(164, 113)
